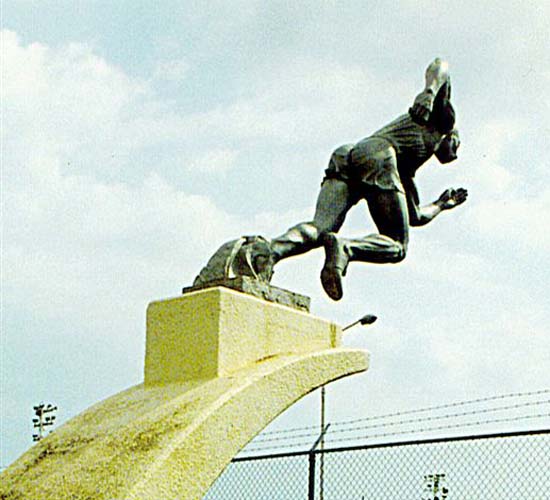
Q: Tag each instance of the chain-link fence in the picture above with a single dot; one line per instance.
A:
(514, 466)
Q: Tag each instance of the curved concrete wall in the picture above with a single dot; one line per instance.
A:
(172, 440)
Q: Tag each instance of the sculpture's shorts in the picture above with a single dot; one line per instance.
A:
(371, 162)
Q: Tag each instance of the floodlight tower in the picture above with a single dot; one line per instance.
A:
(43, 419)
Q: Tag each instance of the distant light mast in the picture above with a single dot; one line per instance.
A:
(44, 418)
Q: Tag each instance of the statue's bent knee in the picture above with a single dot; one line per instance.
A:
(297, 240)
(306, 233)
(401, 252)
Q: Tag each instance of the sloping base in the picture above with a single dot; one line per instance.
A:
(169, 441)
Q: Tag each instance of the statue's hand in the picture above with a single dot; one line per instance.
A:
(451, 198)
(422, 106)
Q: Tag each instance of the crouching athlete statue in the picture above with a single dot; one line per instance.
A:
(380, 169)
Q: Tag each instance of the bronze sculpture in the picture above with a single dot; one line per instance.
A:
(379, 169)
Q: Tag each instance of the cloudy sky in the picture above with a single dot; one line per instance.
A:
(137, 137)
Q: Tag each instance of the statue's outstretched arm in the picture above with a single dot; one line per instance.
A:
(420, 216)
(437, 75)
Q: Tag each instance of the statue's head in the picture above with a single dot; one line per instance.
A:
(443, 115)
(255, 259)
(446, 150)
(245, 256)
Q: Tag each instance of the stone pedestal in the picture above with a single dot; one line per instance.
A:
(218, 331)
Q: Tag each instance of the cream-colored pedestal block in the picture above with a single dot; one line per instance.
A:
(215, 332)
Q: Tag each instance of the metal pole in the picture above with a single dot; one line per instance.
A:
(311, 482)
(322, 444)
(41, 423)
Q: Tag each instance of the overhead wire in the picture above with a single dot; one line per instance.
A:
(295, 438)
(411, 412)
(333, 431)
(403, 432)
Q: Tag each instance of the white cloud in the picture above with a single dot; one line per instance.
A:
(59, 97)
(521, 222)
(61, 84)
(65, 108)
(488, 172)
(171, 70)
(213, 161)
(304, 101)
(66, 234)
(73, 242)
(484, 349)
(506, 206)
(434, 259)
(84, 239)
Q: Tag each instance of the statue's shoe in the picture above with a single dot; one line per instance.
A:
(336, 261)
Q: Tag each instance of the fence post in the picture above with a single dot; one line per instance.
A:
(311, 482)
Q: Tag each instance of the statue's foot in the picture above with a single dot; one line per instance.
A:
(336, 261)
(331, 280)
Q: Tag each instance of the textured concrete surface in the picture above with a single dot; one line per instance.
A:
(171, 441)
(217, 331)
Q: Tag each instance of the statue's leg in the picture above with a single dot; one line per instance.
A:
(333, 203)
(389, 212)
(388, 209)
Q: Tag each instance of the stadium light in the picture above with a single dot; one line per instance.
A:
(43, 419)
